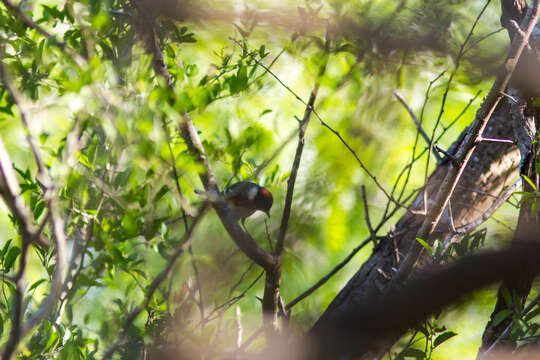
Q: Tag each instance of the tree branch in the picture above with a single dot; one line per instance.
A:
(366, 329)
(416, 122)
(10, 190)
(464, 152)
(242, 239)
(273, 276)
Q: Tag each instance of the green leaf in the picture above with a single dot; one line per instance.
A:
(36, 284)
(38, 210)
(443, 337)
(262, 51)
(11, 256)
(83, 159)
(500, 316)
(192, 70)
(426, 246)
(532, 314)
(5, 249)
(437, 249)
(164, 189)
(507, 296)
(414, 353)
(285, 176)
(529, 181)
(117, 255)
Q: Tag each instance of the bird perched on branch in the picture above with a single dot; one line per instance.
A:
(244, 198)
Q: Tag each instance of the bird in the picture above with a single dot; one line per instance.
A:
(246, 197)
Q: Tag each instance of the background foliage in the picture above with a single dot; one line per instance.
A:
(108, 134)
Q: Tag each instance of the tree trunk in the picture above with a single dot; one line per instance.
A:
(491, 169)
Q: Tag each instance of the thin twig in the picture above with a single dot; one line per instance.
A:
(294, 170)
(328, 276)
(451, 157)
(415, 119)
(275, 154)
(222, 308)
(239, 330)
(487, 214)
(484, 139)
(372, 233)
(332, 130)
(445, 95)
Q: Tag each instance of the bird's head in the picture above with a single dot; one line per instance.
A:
(264, 200)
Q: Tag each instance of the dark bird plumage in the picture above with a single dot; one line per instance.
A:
(245, 197)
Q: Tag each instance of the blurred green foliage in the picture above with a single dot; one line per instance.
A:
(108, 132)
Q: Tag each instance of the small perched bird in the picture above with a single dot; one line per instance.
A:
(245, 198)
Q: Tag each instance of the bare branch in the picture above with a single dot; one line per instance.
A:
(294, 170)
(445, 95)
(484, 139)
(273, 276)
(487, 214)
(326, 125)
(239, 327)
(451, 157)
(328, 276)
(361, 332)
(242, 239)
(10, 193)
(416, 122)
(372, 234)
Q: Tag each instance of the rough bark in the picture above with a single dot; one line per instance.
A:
(525, 128)
(493, 167)
(367, 329)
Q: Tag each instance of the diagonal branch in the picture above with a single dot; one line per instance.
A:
(465, 151)
(242, 239)
(31, 23)
(332, 130)
(416, 122)
(366, 328)
(10, 191)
